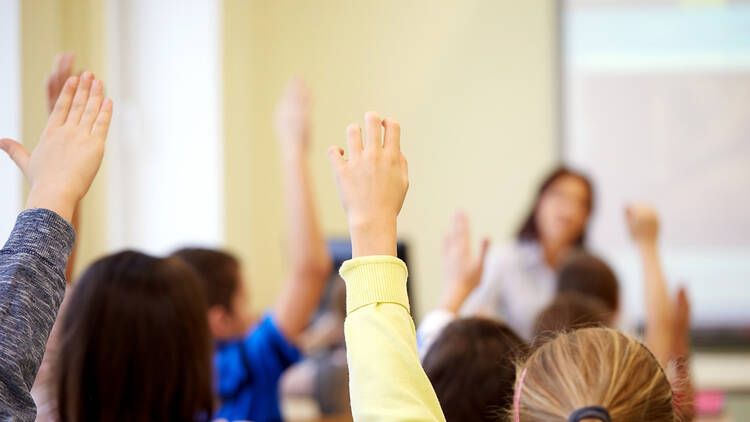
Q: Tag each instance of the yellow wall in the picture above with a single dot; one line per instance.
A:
(48, 27)
(471, 82)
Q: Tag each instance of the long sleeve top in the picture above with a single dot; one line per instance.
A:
(32, 285)
(386, 379)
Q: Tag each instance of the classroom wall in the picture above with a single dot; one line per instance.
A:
(472, 83)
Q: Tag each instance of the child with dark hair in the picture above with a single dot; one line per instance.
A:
(588, 295)
(571, 311)
(134, 345)
(586, 274)
(471, 366)
(252, 354)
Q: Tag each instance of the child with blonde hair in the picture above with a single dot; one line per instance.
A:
(592, 373)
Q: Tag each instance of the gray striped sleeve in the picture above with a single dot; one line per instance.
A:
(32, 285)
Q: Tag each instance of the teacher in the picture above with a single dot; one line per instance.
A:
(519, 279)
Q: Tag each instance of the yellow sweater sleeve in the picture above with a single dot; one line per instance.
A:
(387, 382)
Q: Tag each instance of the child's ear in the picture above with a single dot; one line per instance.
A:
(218, 321)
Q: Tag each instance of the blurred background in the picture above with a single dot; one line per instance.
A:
(650, 98)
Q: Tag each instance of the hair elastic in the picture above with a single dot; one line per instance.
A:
(517, 397)
(590, 412)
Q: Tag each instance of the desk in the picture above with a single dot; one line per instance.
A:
(728, 372)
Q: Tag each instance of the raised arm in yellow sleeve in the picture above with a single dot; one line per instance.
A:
(387, 382)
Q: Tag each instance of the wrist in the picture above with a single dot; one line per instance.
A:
(647, 245)
(60, 203)
(373, 237)
(454, 298)
(292, 150)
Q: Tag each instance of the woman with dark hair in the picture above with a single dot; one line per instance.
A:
(519, 279)
(135, 344)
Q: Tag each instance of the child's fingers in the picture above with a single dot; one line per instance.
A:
(57, 63)
(93, 105)
(461, 220)
(373, 136)
(80, 99)
(101, 125)
(66, 66)
(16, 152)
(62, 106)
(392, 137)
(354, 140)
(54, 78)
(336, 157)
(64, 69)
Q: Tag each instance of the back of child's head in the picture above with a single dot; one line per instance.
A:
(135, 344)
(472, 368)
(586, 274)
(219, 273)
(569, 311)
(588, 368)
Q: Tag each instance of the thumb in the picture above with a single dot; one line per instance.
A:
(485, 246)
(336, 157)
(16, 152)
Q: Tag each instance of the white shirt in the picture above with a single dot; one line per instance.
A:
(516, 285)
(430, 329)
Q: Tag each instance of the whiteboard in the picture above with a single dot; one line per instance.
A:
(656, 106)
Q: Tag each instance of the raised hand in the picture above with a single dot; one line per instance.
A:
(61, 71)
(292, 121)
(681, 325)
(643, 223)
(463, 270)
(372, 184)
(70, 151)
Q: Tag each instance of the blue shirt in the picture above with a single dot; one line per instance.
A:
(248, 371)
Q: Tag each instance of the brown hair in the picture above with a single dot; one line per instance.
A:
(586, 274)
(219, 273)
(135, 344)
(569, 311)
(529, 229)
(472, 367)
(593, 367)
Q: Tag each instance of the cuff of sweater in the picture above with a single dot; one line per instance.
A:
(43, 233)
(374, 279)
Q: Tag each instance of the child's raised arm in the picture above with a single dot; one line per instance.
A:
(62, 69)
(308, 255)
(463, 269)
(32, 262)
(643, 223)
(387, 382)
(463, 272)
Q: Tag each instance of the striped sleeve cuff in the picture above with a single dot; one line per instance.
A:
(374, 279)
